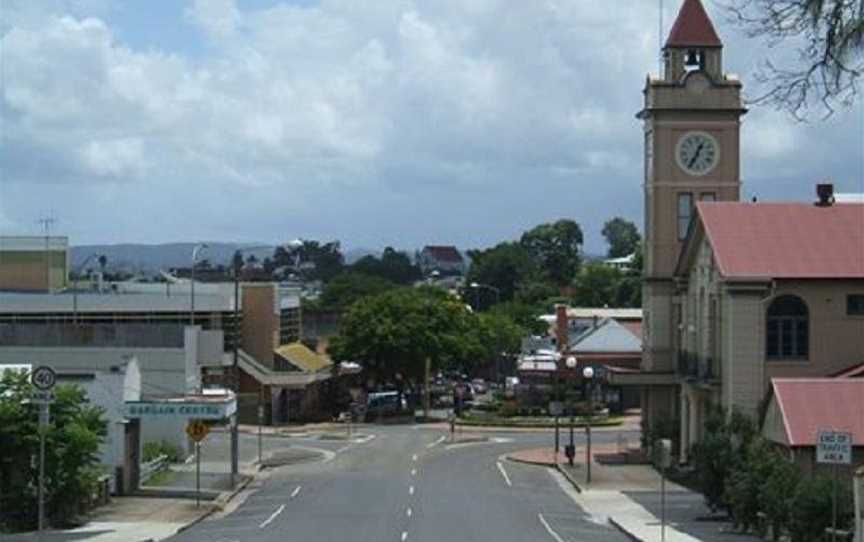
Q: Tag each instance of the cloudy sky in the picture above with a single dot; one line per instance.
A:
(377, 122)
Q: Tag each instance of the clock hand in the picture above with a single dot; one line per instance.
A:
(695, 156)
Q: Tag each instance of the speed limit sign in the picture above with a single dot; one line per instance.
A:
(43, 377)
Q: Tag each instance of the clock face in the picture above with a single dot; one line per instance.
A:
(697, 153)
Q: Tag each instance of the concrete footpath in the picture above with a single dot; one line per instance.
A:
(628, 496)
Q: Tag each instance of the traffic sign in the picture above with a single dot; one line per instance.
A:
(197, 430)
(42, 397)
(43, 377)
(834, 447)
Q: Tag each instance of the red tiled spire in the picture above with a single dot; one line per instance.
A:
(693, 28)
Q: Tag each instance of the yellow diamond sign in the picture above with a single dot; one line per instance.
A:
(197, 430)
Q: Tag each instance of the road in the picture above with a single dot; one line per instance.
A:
(406, 484)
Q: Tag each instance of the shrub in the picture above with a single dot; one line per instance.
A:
(154, 449)
(508, 409)
(776, 494)
(744, 483)
(723, 447)
(812, 502)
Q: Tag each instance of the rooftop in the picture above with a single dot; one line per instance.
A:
(785, 240)
(443, 253)
(810, 405)
(693, 27)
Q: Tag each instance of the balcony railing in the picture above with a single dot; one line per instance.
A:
(696, 368)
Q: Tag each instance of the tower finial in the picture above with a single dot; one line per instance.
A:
(693, 28)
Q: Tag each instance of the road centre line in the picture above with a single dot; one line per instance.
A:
(272, 517)
(413, 472)
(411, 490)
(414, 457)
(296, 491)
(504, 473)
(404, 536)
(549, 530)
(409, 512)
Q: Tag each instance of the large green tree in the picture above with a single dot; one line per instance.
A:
(622, 236)
(393, 265)
(72, 444)
(599, 285)
(347, 287)
(556, 247)
(505, 266)
(394, 332)
(322, 260)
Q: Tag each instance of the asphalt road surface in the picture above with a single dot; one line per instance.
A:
(407, 484)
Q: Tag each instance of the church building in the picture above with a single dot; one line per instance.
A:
(735, 293)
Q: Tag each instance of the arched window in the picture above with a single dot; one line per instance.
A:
(787, 330)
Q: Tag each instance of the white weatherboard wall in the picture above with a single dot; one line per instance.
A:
(163, 372)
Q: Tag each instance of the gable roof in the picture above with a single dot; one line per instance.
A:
(784, 240)
(608, 336)
(303, 358)
(809, 405)
(855, 371)
(693, 27)
(443, 253)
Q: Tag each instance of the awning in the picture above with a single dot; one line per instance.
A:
(269, 377)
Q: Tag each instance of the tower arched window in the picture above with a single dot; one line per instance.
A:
(787, 329)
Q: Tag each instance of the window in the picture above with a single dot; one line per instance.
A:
(708, 196)
(787, 331)
(685, 212)
(855, 304)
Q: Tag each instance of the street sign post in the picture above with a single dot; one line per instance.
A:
(43, 379)
(197, 430)
(834, 448)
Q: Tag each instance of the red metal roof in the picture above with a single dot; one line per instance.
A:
(693, 28)
(443, 253)
(809, 405)
(785, 240)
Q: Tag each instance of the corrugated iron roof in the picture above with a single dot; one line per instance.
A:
(785, 240)
(810, 405)
(693, 27)
(303, 358)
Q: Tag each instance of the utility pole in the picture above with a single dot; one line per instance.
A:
(235, 380)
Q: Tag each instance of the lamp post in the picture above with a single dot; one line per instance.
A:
(588, 374)
(571, 449)
(477, 286)
(75, 286)
(195, 252)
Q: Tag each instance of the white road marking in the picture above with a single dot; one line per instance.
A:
(413, 472)
(267, 521)
(504, 473)
(404, 536)
(549, 530)
(437, 442)
(409, 512)
(414, 457)
(411, 490)
(296, 491)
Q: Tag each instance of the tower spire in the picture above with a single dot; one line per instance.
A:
(693, 28)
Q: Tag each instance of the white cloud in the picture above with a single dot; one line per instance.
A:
(405, 104)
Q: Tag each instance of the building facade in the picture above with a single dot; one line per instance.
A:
(33, 263)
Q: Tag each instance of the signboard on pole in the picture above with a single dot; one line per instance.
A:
(43, 377)
(197, 430)
(834, 447)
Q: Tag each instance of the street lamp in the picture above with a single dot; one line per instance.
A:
(75, 285)
(195, 252)
(477, 286)
(571, 449)
(588, 374)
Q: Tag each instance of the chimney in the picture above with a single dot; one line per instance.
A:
(561, 327)
(825, 191)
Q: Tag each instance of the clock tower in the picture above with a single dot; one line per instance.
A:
(691, 119)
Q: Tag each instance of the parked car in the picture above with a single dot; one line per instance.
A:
(384, 404)
(479, 386)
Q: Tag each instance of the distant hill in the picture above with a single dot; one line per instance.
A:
(146, 258)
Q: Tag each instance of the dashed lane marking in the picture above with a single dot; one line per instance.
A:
(413, 472)
(295, 492)
(549, 530)
(404, 536)
(409, 512)
(411, 490)
(414, 457)
(267, 521)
